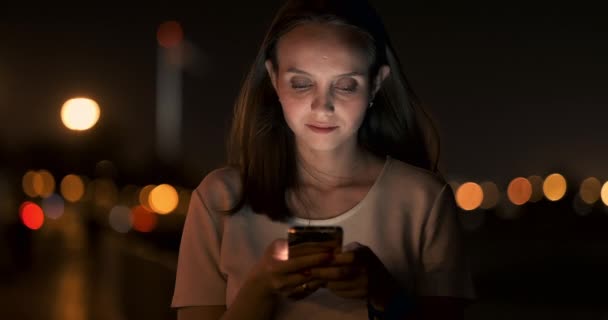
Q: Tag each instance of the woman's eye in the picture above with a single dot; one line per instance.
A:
(300, 86)
(347, 86)
(347, 89)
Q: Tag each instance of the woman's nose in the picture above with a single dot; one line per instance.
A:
(323, 102)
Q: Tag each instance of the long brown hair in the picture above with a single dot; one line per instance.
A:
(262, 146)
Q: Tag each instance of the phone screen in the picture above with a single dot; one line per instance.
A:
(304, 240)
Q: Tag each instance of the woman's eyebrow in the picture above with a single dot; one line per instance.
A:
(348, 74)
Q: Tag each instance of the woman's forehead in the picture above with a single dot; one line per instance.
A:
(321, 45)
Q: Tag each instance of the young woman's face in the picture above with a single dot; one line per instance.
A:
(323, 85)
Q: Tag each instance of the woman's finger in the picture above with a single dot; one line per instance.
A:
(309, 248)
(305, 262)
(331, 273)
(304, 289)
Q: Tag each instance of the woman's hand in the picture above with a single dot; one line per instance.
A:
(358, 273)
(276, 275)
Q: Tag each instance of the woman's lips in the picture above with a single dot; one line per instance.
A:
(321, 129)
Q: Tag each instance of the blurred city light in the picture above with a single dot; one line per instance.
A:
(48, 184)
(554, 187)
(31, 215)
(29, 181)
(120, 219)
(604, 193)
(144, 196)
(143, 220)
(491, 195)
(590, 190)
(80, 113)
(53, 206)
(163, 199)
(72, 188)
(469, 196)
(537, 188)
(38, 183)
(519, 191)
(169, 34)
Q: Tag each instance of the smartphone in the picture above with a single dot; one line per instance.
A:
(303, 240)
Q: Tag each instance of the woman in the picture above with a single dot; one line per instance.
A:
(326, 132)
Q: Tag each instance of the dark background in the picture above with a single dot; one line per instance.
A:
(515, 91)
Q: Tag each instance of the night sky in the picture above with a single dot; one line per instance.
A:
(514, 92)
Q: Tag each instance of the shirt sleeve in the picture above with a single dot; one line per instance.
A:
(199, 280)
(444, 268)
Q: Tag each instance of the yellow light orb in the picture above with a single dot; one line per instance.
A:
(80, 114)
(590, 190)
(72, 188)
(604, 193)
(554, 187)
(469, 196)
(144, 196)
(163, 199)
(519, 191)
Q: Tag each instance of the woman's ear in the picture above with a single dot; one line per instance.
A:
(383, 73)
(271, 73)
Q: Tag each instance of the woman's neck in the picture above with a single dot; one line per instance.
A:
(331, 169)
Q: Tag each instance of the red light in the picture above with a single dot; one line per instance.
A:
(31, 214)
(169, 34)
(143, 219)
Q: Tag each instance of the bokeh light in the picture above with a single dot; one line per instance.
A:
(38, 183)
(163, 199)
(604, 193)
(469, 196)
(31, 215)
(491, 194)
(143, 219)
(169, 34)
(519, 191)
(144, 196)
(590, 190)
(53, 206)
(80, 114)
(537, 188)
(29, 181)
(554, 187)
(72, 188)
(120, 219)
(48, 184)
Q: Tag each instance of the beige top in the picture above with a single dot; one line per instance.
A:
(408, 219)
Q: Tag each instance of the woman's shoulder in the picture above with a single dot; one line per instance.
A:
(220, 189)
(405, 176)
